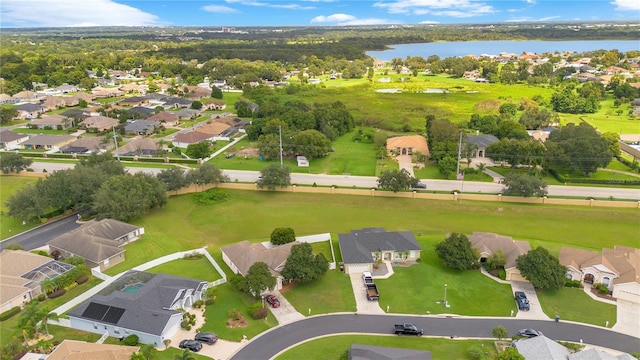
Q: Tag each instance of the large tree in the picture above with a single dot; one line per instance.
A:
(274, 176)
(282, 235)
(129, 197)
(258, 279)
(7, 114)
(199, 150)
(542, 269)
(524, 185)
(396, 180)
(303, 266)
(206, 174)
(577, 148)
(456, 252)
(173, 178)
(310, 143)
(13, 162)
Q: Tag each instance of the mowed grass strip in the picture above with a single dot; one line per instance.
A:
(200, 269)
(573, 304)
(329, 294)
(9, 185)
(336, 347)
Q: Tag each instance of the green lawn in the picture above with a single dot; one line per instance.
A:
(426, 283)
(9, 185)
(336, 347)
(40, 131)
(331, 293)
(573, 304)
(191, 268)
(324, 248)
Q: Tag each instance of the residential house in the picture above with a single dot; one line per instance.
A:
(362, 248)
(232, 121)
(182, 140)
(480, 143)
(369, 352)
(140, 127)
(240, 256)
(253, 107)
(101, 92)
(197, 92)
(52, 121)
(86, 145)
(81, 350)
(10, 140)
(98, 242)
(66, 88)
(76, 114)
(218, 130)
(133, 87)
(106, 82)
(140, 112)
(75, 99)
(51, 103)
(490, 243)
(215, 105)
(7, 99)
(99, 123)
(139, 303)
(598, 354)
(47, 142)
(134, 101)
(165, 119)
(26, 96)
(610, 267)
(407, 145)
(29, 110)
(186, 114)
(139, 147)
(540, 347)
(22, 272)
(177, 103)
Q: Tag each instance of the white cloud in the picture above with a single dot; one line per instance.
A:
(346, 19)
(530, 1)
(627, 5)
(47, 13)
(455, 8)
(333, 18)
(220, 9)
(290, 6)
(429, 22)
(530, 19)
(549, 18)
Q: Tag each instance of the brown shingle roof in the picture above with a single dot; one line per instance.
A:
(80, 350)
(489, 243)
(624, 261)
(192, 137)
(417, 143)
(244, 254)
(14, 264)
(214, 128)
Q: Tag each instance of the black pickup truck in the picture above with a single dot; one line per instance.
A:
(407, 329)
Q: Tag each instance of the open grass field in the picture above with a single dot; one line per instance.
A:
(200, 269)
(8, 186)
(336, 347)
(573, 304)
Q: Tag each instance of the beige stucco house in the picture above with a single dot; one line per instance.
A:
(489, 243)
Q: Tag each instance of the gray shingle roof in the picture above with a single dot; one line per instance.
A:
(357, 246)
(541, 348)
(147, 309)
(481, 140)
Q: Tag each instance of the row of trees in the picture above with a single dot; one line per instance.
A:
(541, 268)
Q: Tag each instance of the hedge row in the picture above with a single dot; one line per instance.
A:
(567, 180)
(9, 313)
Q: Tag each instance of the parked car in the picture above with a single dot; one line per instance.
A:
(407, 329)
(191, 345)
(421, 185)
(522, 301)
(206, 337)
(272, 300)
(529, 333)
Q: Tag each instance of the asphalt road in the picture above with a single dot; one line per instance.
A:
(39, 236)
(371, 182)
(271, 343)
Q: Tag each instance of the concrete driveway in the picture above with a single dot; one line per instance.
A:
(404, 162)
(363, 305)
(535, 311)
(286, 313)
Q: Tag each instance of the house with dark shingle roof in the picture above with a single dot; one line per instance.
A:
(86, 145)
(139, 303)
(98, 242)
(481, 143)
(361, 248)
(139, 147)
(30, 111)
(176, 103)
(541, 347)
(140, 127)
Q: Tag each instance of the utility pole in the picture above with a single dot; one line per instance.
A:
(115, 139)
(459, 155)
(280, 130)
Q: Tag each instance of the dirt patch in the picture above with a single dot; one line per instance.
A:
(248, 152)
(601, 295)
(240, 323)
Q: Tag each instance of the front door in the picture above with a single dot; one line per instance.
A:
(589, 278)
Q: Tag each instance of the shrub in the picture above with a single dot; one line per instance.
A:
(57, 293)
(71, 286)
(234, 314)
(9, 313)
(282, 235)
(210, 301)
(419, 260)
(259, 313)
(82, 279)
(185, 325)
(42, 297)
(602, 289)
(192, 256)
(131, 340)
(475, 353)
(573, 283)
(40, 252)
(198, 304)
(502, 275)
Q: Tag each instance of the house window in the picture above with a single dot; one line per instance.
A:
(606, 281)
(397, 255)
(569, 276)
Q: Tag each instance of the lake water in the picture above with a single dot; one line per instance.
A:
(448, 49)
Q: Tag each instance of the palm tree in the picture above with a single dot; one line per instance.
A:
(186, 355)
(29, 318)
(44, 315)
(481, 168)
(47, 286)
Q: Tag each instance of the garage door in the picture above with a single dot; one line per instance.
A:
(357, 268)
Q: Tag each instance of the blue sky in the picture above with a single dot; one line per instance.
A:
(52, 13)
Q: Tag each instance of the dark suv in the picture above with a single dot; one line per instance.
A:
(206, 337)
(522, 301)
